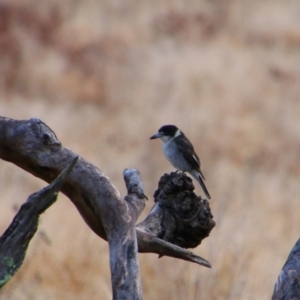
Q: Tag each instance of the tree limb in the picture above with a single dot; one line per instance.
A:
(15, 240)
(287, 286)
(34, 147)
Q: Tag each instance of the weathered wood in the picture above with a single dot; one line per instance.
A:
(33, 146)
(15, 240)
(179, 215)
(287, 286)
(121, 235)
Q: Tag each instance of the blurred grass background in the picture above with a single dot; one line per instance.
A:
(105, 75)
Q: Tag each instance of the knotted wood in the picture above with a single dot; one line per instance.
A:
(34, 147)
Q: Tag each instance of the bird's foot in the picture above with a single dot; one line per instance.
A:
(178, 171)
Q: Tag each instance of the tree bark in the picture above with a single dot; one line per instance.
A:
(15, 240)
(34, 147)
(287, 286)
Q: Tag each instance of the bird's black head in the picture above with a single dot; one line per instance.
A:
(168, 130)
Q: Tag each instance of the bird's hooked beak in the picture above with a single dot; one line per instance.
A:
(156, 136)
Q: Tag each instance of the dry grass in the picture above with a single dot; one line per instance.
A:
(105, 76)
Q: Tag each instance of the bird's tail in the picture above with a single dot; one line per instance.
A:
(200, 178)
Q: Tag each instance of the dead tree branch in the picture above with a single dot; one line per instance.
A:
(288, 283)
(15, 240)
(34, 147)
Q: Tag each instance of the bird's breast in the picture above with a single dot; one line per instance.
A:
(175, 157)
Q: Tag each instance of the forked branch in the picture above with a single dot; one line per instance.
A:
(34, 147)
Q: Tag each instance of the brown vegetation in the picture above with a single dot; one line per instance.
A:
(105, 76)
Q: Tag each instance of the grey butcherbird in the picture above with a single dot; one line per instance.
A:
(180, 152)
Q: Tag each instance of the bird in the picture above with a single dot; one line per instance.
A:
(180, 153)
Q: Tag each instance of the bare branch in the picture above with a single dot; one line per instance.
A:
(157, 245)
(122, 240)
(288, 283)
(135, 190)
(15, 240)
(33, 146)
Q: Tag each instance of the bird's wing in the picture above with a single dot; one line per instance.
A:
(186, 148)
